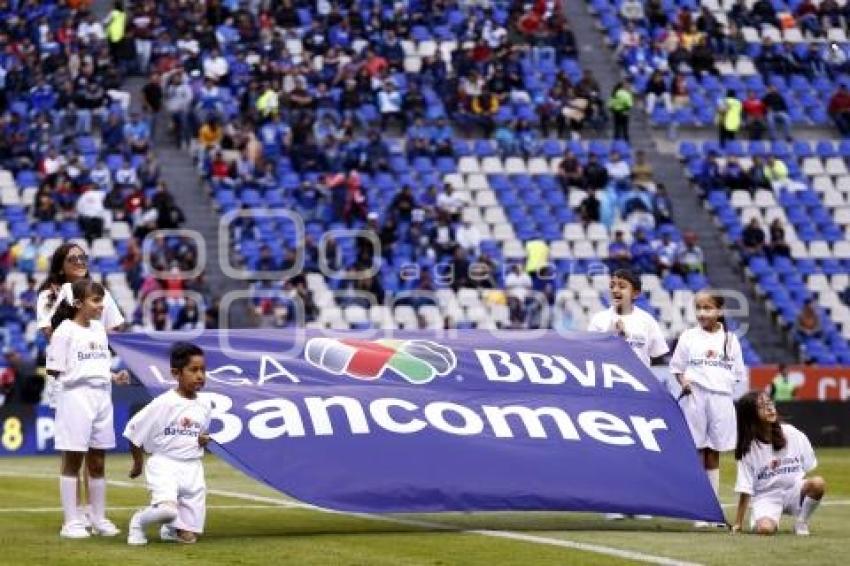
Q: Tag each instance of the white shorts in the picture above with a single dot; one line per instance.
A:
(181, 481)
(711, 418)
(84, 418)
(773, 505)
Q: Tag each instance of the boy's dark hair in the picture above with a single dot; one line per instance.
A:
(630, 276)
(80, 290)
(182, 352)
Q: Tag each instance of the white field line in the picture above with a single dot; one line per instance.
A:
(826, 503)
(271, 502)
(596, 548)
(10, 510)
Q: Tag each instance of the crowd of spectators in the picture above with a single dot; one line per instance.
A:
(81, 162)
(286, 103)
(662, 48)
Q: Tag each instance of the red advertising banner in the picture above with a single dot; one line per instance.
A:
(814, 383)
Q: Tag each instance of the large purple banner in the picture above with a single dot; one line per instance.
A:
(465, 422)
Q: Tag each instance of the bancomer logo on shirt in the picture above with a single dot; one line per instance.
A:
(389, 364)
(712, 359)
(186, 427)
(780, 466)
(96, 352)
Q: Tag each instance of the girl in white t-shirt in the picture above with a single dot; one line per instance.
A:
(707, 362)
(69, 264)
(773, 460)
(78, 356)
(633, 324)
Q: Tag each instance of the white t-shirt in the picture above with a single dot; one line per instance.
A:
(518, 285)
(700, 356)
(110, 318)
(80, 354)
(215, 67)
(170, 425)
(642, 332)
(90, 30)
(468, 237)
(618, 170)
(762, 471)
(90, 204)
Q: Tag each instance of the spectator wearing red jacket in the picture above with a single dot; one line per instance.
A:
(839, 109)
(755, 116)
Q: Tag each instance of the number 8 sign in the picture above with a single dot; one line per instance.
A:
(13, 435)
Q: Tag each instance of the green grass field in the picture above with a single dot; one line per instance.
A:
(248, 523)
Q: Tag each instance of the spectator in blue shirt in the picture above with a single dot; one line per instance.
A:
(307, 201)
(392, 51)
(42, 96)
(137, 134)
(643, 254)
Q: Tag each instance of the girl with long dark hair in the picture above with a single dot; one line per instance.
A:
(773, 460)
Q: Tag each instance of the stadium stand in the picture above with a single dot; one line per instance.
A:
(77, 165)
(349, 115)
(797, 192)
(688, 54)
(505, 193)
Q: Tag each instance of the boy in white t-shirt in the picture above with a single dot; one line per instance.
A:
(773, 460)
(173, 430)
(633, 324)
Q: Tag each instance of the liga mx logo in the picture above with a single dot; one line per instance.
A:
(415, 361)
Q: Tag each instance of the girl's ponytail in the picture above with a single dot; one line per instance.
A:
(69, 294)
(725, 353)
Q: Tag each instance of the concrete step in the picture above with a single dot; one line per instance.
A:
(688, 210)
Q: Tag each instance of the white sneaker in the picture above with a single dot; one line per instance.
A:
(74, 529)
(801, 528)
(643, 517)
(105, 528)
(135, 533)
(614, 516)
(84, 515)
(168, 533)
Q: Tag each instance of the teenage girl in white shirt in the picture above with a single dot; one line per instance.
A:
(773, 460)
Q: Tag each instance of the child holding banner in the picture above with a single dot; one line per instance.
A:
(173, 429)
(773, 460)
(78, 355)
(634, 324)
(707, 362)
